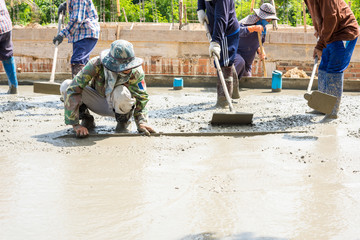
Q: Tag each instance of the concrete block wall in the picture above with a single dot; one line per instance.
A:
(168, 50)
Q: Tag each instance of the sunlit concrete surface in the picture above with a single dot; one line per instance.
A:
(302, 184)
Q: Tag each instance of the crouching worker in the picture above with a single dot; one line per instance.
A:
(111, 84)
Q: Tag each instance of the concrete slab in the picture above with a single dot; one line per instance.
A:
(302, 185)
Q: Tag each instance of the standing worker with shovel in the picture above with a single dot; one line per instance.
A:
(220, 15)
(337, 31)
(82, 31)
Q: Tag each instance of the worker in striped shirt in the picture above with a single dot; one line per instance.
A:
(6, 48)
(82, 31)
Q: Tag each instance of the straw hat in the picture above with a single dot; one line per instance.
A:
(266, 11)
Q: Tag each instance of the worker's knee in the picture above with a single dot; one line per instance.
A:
(64, 85)
(122, 100)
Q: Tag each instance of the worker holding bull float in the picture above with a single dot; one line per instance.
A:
(82, 31)
(337, 31)
(249, 43)
(111, 84)
(223, 25)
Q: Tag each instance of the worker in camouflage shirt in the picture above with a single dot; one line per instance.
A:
(111, 84)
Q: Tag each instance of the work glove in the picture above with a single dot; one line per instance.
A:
(62, 9)
(58, 39)
(214, 49)
(255, 28)
(202, 17)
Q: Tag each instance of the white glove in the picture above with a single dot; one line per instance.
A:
(214, 49)
(202, 17)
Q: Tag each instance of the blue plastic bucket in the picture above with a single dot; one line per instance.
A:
(178, 83)
(276, 81)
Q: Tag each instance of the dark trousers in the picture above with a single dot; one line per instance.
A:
(6, 46)
(82, 50)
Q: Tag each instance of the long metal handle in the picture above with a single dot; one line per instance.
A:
(218, 67)
(312, 74)
(52, 76)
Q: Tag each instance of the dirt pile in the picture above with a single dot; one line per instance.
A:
(296, 73)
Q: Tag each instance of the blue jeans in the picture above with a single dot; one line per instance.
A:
(336, 56)
(82, 50)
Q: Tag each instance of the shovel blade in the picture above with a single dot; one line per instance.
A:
(47, 88)
(321, 102)
(238, 118)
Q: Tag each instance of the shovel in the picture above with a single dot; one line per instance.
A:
(50, 87)
(237, 118)
(319, 101)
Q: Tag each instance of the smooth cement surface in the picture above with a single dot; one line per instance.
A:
(278, 186)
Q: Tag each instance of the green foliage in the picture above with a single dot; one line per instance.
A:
(242, 9)
(355, 6)
(45, 11)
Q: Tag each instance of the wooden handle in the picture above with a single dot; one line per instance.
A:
(262, 52)
(126, 20)
(252, 5)
(118, 31)
(304, 13)
(118, 7)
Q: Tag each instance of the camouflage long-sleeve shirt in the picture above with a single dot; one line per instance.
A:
(93, 75)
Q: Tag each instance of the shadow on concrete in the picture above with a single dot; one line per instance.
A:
(57, 139)
(175, 112)
(241, 236)
(270, 91)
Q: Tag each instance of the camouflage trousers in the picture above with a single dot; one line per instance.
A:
(119, 101)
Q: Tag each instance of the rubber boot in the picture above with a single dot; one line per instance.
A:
(87, 120)
(123, 121)
(335, 82)
(322, 87)
(10, 69)
(236, 93)
(75, 68)
(322, 81)
(228, 76)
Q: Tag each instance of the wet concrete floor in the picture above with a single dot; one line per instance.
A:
(300, 185)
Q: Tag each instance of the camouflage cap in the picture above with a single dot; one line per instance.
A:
(120, 57)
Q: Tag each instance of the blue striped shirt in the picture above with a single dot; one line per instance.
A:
(83, 21)
(5, 21)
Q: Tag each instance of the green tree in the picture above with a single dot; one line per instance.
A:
(45, 11)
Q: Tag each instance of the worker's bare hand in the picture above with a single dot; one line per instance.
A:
(317, 53)
(255, 28)
(80, 131)
(316, 34)
(262, 55)
(145, 128)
